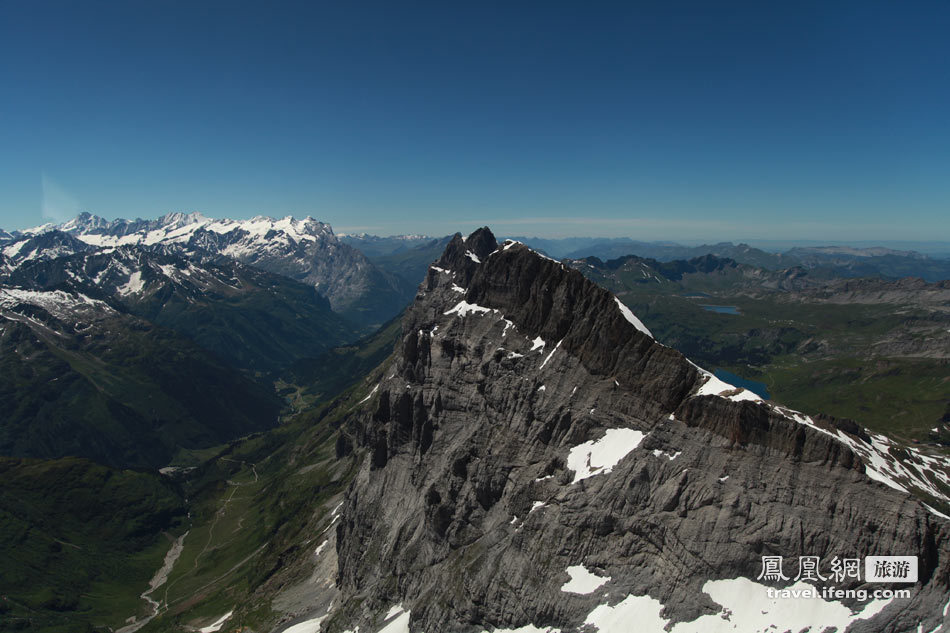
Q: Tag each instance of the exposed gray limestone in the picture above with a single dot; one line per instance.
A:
(465, 511)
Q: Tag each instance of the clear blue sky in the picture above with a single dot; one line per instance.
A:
(690, 120)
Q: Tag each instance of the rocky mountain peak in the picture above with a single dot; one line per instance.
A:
(85, 221)
(463, 254)
(529, 430)
(550, 301)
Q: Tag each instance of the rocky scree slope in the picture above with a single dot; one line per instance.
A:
(531, 442)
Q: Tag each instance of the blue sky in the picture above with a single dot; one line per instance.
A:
(672, 120)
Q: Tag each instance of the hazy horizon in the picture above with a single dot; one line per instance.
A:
(773, 245)
(693, 122)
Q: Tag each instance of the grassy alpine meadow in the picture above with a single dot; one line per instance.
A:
(903, 398)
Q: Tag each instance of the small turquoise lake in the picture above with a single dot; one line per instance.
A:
(721, 309)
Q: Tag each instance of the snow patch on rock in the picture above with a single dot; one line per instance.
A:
(598, 457)
(464, 308)
(583, 580)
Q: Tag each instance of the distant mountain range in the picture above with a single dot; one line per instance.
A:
(304, 250)
(827, 260)
(841, 261)
(376, 246)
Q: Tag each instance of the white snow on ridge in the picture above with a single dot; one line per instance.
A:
(537, 343)
(629, 316)
(56, 302)
(393, 612)
(598, 457)
(13, 250)
(714, 386)
(401, 622)
(472, 256)
(937, 512)
(880, 465)
(170, 271)
(509, 243)
(583, 581)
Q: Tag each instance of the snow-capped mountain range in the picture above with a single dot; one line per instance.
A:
(305, 250)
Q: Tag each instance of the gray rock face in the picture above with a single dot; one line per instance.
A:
(478, 491)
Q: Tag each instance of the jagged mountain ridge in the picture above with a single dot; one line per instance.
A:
(305, 250)
(475, 498)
